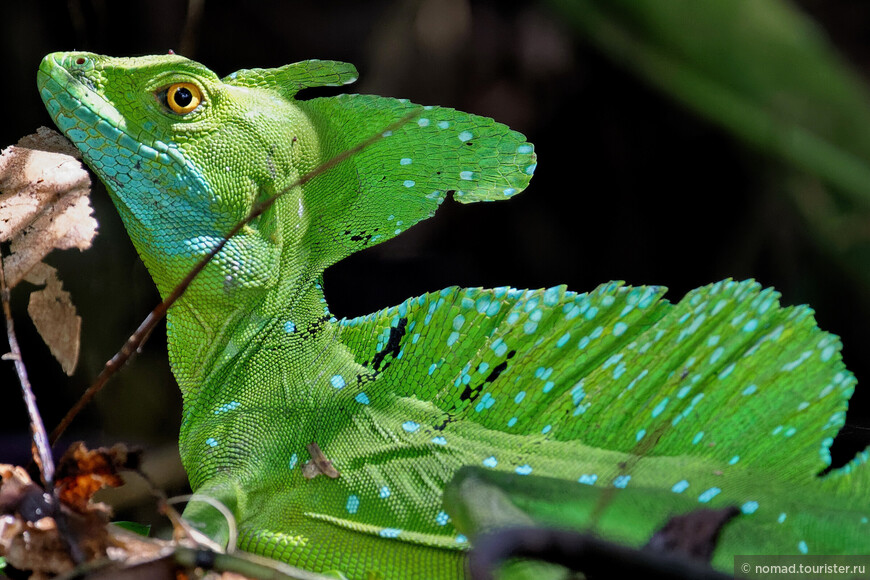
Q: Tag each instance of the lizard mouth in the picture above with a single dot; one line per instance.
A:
(68, 85)
(70, 96)
(90, 121)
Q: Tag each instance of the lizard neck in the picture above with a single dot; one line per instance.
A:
(210, 347)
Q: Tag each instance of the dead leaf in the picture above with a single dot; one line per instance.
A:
(318, 464)
(29, 535)
(44, 206)
(54, 316)
(82, 472)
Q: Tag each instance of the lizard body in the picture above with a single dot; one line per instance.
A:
(538, 382)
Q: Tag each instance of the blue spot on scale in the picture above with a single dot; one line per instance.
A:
(519, 397)
(337, 381)
(588, 478)
(490, 461)
(289, 327)
(443, 124)
(384, 492)
(709, 494)
(619, 328)
(465, 136)
(621, 481)
(524, 149)
(466, 175)
(439, 440)
(294, 459)
(352, 504)
(509, 191)
(619, 370)
(442, 518)
(410, 426)
(512, 422)
(460, 539)
(390, 533)
(680, 486)
(362, 398)
(749, 507)
(405, 161)
(423, 122)
(501, 349)
(726, 371)
(211, 442)
(409, 183)
(781, 517)
(802, 547)
(524, 469)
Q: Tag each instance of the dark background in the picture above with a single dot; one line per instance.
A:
(629, 186)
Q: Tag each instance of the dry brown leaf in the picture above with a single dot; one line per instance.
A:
(44, 202)
(318, 464)
(44, 205)
(54, 316)
(82, 472)
(29, 535)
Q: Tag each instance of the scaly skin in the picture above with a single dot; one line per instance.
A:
(567, 385)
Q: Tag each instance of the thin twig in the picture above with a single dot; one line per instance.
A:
(41, 448)
(137, 339)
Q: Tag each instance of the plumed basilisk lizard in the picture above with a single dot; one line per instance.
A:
(724, 398)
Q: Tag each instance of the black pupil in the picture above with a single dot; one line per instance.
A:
(182, 97)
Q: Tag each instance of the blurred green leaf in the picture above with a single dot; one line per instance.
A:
(135, 527)
(765, 72)
(759, 68)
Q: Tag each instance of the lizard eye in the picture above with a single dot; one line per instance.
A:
(183, 98)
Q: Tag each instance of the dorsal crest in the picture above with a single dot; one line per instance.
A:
(292, 78)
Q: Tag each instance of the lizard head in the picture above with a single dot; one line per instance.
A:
(184, 155)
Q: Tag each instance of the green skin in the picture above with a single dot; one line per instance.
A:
(710, 391)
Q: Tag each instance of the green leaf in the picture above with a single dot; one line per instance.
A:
(135, 527)
(759, 68)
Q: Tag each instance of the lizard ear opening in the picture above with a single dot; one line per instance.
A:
(292, 78)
